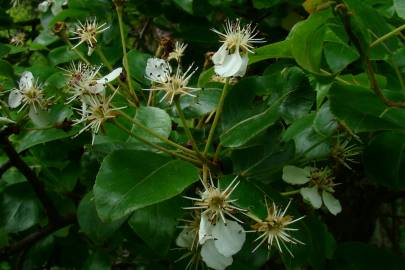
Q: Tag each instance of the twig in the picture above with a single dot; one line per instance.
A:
(31, 239)
(20, 164)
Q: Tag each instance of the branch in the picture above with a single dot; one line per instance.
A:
(345, 16)
(20, 164)
(31, 239)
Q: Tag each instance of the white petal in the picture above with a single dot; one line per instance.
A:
(90, 50)
(295, 175)
(5, 120)
(26, 80)
(213, 258)
(331, 203)
(43, 7)
(229, 237)
(157, 70)
(230, 66)
(185, 238)
(312, 196)
(205, 230)
(219, 57)
(14, 99)
(242, 71)
(110, 77)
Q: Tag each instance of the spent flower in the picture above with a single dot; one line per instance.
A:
(274, 229)
(177, 52)
(87, 33)
(159, 72)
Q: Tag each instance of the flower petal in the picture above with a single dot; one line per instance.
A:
(185, 238)
(205, 230)
(229, 237)
(157, 70)
(14, 99)
(331, 203)
(230, 66)
(213, 258)
(295, 175)
(219, 57)
(43, 6)
(26, 80)
(242, 70)
(312, 196)
(111, 76)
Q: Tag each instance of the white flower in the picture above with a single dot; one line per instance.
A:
(231, 59)
(29, 93)
(56, 6)
(321, 186)
(87, 33)
(221, 241)
(83, 82)
(177, 52)
(274, 228)
(159, 71)
(99, 111)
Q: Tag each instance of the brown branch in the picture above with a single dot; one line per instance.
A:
(19, 163)
(31, 239)
(345, 15)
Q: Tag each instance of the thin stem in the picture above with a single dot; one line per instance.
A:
(289, 193)
(205, 174)
(81, 56)
(104, 59)
(158, 147)
(186, 129)
(124, 51)
(157, 135)
(217, 116)
(387, 36)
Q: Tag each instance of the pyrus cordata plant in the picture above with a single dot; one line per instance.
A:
(202, 134)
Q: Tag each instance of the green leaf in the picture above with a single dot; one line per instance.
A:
(295, 175)
(19, 208)
(35, 137)
(384, 160)
(67, 13)
(129, 180)
(137, 64)
(90, 223)
(155, 119)
(306, 40)
(61, 55)
(98, 261)
(276, 50)
(260, 4)
(362, 110)
(186, 5)
(156, 224)
(339, 55)
(399, 6)
(245, 130)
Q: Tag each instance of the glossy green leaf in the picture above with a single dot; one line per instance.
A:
(306, 40)
(155, 119)
(361, 110)
(19, 208)
(90, 223)
(137, 64)
(156, 224)
(62, 55)
(129, 180)
(276, 50)
(400, 8)
(295, 175)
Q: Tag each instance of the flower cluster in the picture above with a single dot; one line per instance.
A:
(215, 231)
